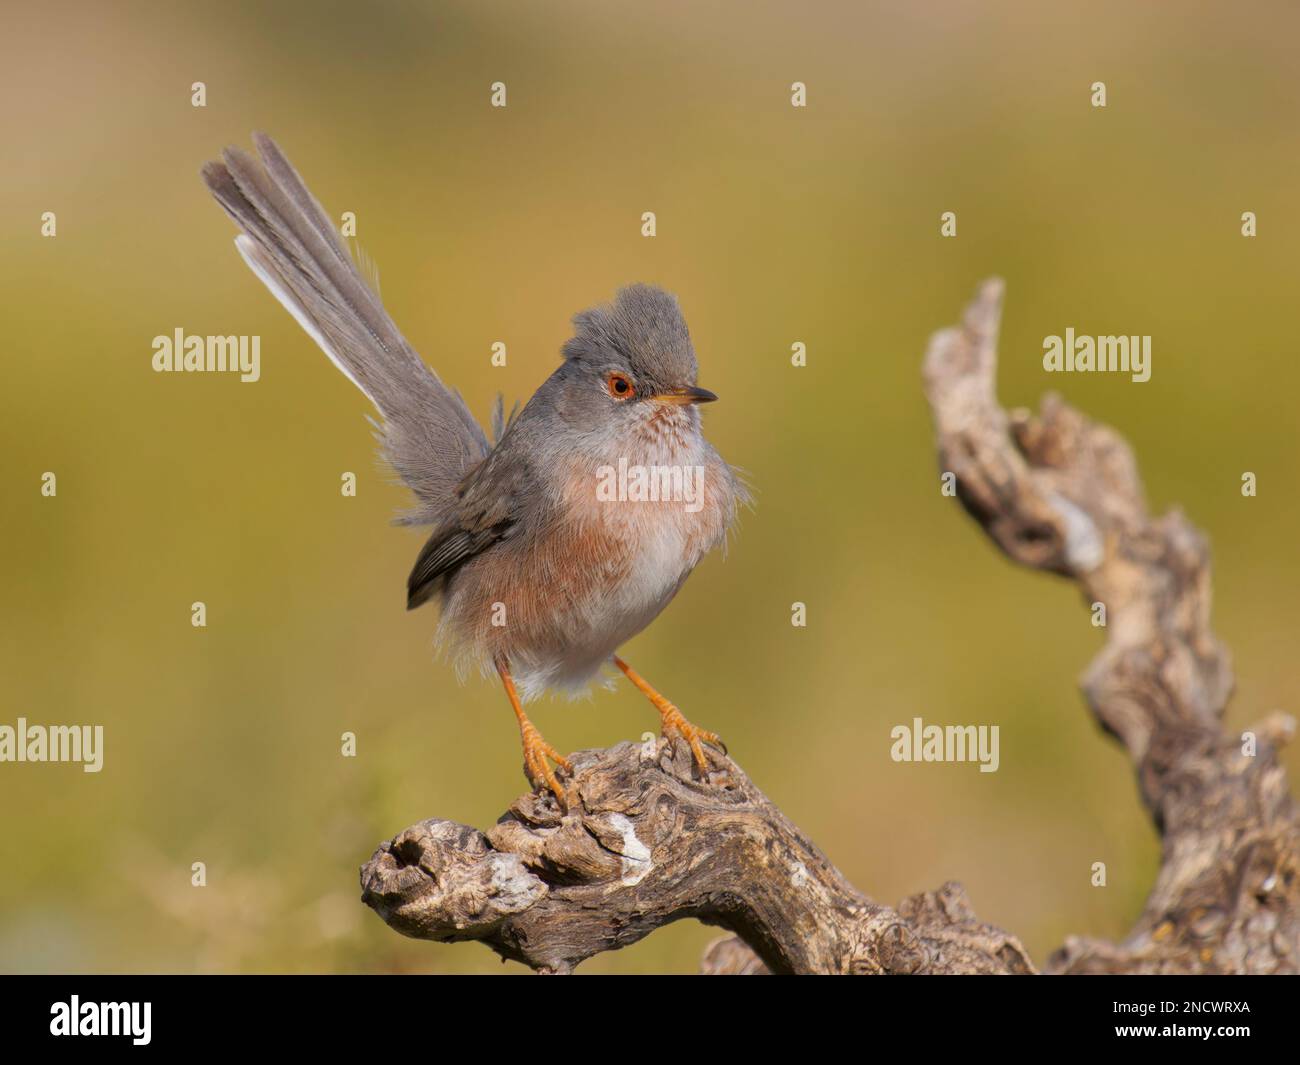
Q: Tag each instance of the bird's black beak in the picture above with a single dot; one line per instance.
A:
(682, 396)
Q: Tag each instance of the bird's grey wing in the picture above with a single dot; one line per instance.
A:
(429, 436)
(489, 502)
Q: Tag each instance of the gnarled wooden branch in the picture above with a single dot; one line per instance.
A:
(1059, 492)
(643, 842)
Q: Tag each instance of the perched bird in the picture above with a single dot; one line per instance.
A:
(542, 566)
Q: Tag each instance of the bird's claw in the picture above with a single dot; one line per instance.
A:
(538, 756)
(675, 724)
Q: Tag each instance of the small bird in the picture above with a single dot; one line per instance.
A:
(543, 567)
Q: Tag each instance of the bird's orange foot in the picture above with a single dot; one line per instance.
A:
(538, 756)
(675, 724)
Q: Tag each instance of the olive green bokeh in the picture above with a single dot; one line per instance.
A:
(775, 225)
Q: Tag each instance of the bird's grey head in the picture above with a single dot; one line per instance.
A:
(630, 360)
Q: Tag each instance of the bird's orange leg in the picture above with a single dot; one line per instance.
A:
(673, 720)
(538, 754)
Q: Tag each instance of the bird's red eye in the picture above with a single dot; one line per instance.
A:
(619, 386)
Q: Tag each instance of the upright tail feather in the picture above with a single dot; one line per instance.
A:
(429, 436)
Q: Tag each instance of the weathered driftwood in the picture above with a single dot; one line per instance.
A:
(643, 842)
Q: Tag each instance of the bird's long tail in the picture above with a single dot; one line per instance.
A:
(429, 436)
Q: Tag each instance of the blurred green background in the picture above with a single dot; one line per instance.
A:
(775, 225)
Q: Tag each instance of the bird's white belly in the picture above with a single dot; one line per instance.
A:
(646, 546)
(666, 553)
(665, 543)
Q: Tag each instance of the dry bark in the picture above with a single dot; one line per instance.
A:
(643, 842)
